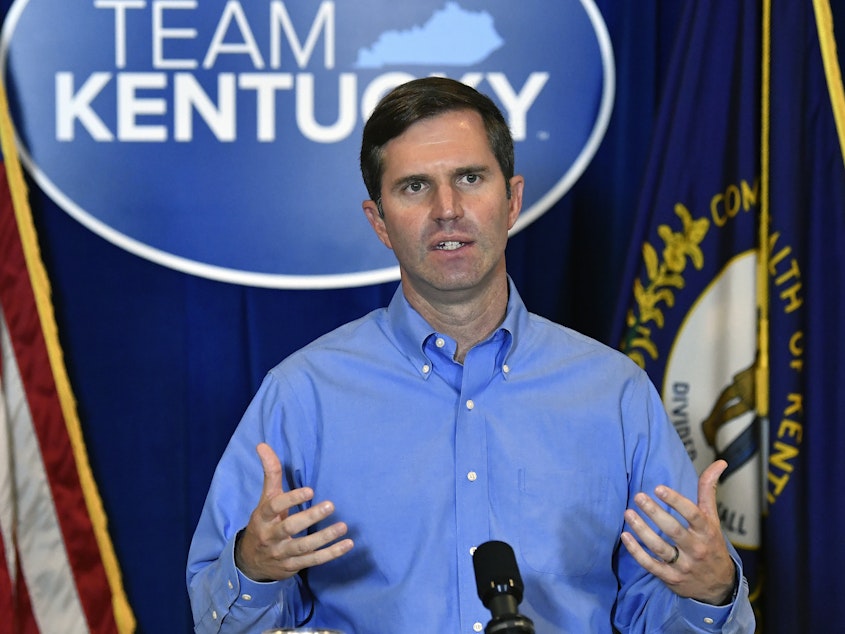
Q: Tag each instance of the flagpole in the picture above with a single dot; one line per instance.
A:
(762, 372)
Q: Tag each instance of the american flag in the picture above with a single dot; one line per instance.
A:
(58, 570)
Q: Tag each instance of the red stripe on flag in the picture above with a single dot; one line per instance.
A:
(24, 619)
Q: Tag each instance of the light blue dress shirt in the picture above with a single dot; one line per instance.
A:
(540, 439)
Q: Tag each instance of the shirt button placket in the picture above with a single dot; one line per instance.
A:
(472, 476)
(471, 430)
(472, 473)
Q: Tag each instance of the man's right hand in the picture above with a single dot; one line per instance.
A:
(266, 549)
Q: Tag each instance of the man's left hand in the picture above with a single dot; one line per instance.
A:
(692, 560)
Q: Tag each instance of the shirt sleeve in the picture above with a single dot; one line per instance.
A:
(222, 598)
(657, 456)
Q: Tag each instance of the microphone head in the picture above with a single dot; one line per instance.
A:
(496, 572)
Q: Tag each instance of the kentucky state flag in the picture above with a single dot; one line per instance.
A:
(736, 305)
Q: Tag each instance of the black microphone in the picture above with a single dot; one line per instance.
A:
(500, 588)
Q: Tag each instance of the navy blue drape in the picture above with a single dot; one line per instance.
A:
(163, 364)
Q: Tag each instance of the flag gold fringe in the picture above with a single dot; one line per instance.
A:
(827, 42)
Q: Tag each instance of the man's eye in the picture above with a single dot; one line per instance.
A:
(415, 187)
(471, 178)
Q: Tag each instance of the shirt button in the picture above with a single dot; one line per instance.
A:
(214, 614)
(440, 342)
(230, 584)
(708, 620)
(472, 476)
(477, 626)
(246, 597)
(472, 550)
(426, 369)
(506, 368)
(470, 404)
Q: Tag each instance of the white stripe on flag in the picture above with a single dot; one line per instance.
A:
(7, 507)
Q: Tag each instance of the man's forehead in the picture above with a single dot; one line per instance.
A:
(465, 118)
(453, 140)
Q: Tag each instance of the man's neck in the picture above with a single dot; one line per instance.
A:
(466, 318)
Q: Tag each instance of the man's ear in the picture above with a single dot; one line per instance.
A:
(517, 184)
(376, 221)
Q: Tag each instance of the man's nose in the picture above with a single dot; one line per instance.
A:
(447, 204)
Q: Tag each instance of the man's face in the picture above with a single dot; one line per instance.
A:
(446, 210)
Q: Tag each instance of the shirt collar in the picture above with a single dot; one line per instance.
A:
(410, 330)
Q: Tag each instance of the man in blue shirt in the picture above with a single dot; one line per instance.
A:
(372, 462)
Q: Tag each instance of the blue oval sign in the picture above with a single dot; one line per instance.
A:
(222, 138)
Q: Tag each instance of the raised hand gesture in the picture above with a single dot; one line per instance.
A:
(693, 560)
(267, 548)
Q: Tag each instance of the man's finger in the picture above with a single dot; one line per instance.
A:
(275, 501)
(272, 467)
(707, 484)
(321, 555)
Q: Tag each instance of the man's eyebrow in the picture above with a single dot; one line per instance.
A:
(404, 181)
(472, 169)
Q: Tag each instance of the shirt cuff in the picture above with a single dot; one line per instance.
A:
(706, 617)
(251, 593)
(259, 593)
(711, 618)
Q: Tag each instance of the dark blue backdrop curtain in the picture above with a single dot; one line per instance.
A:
(163, 364)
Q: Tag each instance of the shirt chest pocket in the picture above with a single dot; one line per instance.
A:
(568, 521)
